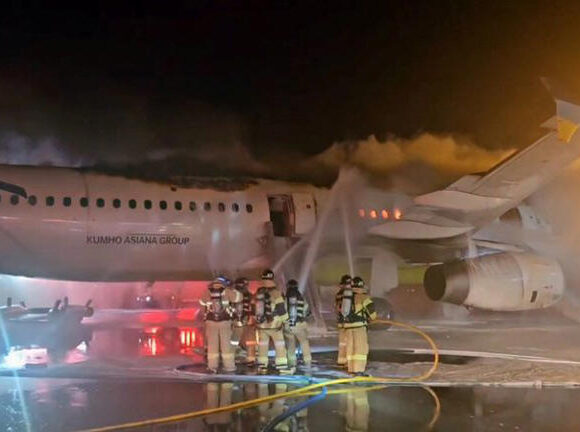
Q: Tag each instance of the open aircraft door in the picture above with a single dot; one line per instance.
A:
(304, 213)
(292, 215)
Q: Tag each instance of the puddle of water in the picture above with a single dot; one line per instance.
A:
(73, 405)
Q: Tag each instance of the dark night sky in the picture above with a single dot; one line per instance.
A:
(280, 78)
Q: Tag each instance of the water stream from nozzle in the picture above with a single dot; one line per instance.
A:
(345, 178)
(346, 233)
(289, 253)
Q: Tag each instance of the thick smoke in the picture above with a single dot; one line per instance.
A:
(95, 122)
(410, 166)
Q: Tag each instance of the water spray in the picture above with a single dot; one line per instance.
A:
(347, 239)
(293, 249)
(344, 177)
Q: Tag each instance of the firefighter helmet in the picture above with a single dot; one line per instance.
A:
(292, 283)
(241, 283)
(292, 288)
(357, 282)
(216, 285)
(224, 280)
(345, 280)
(267, 274)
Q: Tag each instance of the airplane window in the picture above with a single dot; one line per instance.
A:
(116, 203)
(207, 206)
(49, 201)
(132, 203)
(147, 204)
(100, 202)
(177, 205)
(249, 208)
(14, 199)
(84, 202)
(221, 207)
(192, 205)
(235, 207)
(66, 201)
(32, 200)
(162, 205)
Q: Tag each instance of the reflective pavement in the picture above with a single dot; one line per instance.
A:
(119, 374)
(63, 405)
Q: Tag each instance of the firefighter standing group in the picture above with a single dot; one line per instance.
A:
(268, 315)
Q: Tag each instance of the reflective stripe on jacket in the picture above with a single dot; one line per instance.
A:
(277, 310)
(363, 311)
(229, 298)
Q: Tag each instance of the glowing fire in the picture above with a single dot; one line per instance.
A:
(385, 214)
(373, 214)
(398, 214)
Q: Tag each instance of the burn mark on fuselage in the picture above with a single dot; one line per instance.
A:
(223, 184)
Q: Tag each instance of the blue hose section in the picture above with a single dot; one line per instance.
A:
(294, 409)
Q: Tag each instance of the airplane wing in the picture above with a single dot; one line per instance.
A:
(475, 200)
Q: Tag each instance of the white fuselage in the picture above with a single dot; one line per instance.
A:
(83, 225)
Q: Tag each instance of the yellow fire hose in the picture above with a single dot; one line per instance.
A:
(303, 390)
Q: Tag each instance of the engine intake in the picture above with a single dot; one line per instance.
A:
(500, 282)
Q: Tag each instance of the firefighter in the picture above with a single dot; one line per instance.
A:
(345, 283)
(218, 395)
(357, 310)
(357, 411)
(270, 410)
(244, 323)
(295, 327)
(270, 314)
(219, 302)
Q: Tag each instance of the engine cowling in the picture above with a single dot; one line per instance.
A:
(499, 282)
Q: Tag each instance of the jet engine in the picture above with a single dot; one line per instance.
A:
(498, 282)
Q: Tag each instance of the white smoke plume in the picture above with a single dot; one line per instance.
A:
(410, 165)
(18, 149)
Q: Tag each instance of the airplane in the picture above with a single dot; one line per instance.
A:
(85, 224)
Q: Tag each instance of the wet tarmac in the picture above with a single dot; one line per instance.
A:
(68, 405)
(493, 376)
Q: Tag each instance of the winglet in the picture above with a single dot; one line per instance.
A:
(567, 109)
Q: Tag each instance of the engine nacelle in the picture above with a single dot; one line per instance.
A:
(499, 282)
(378, 268)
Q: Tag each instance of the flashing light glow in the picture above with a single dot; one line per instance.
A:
(156, 317)
(398, 214)
(361, 213)
(186, 314)
(15, 359)
(385, 214)
(187, 337)
(19, 358)
(149, 345)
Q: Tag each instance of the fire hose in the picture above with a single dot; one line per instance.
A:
(309, 389)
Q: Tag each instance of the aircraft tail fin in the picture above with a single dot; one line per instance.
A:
(567, 109)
